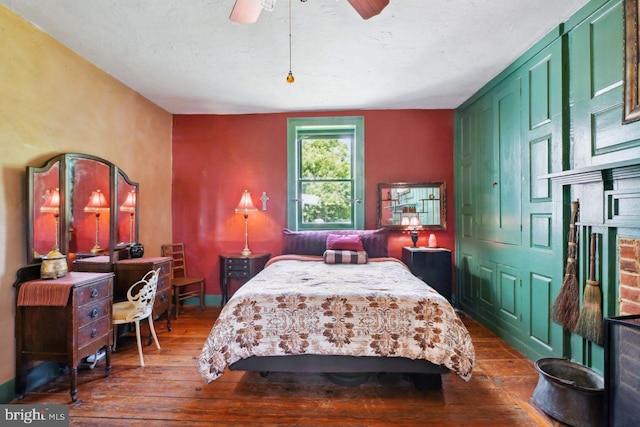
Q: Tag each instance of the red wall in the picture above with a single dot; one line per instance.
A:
(216, 157)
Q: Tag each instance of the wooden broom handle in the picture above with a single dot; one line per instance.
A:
(592, 258)
(574, 209)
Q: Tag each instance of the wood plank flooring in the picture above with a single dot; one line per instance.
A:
(168, 391)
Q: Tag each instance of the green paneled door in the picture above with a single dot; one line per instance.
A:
(499, 192)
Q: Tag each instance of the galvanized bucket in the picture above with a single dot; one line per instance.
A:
(570, 392)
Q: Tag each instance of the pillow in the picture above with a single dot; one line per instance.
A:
(345, 257)
(315, 242)
(347, 242)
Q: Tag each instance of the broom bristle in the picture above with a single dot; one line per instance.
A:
(566, 308)
(590, 323)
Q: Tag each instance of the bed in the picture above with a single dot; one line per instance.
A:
(330, 311)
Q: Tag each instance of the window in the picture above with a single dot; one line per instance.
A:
(326, 173)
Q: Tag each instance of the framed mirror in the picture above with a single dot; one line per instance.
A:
(127, 211)
(82, 205)
(412, 206)
(90, 196)
(46, 199)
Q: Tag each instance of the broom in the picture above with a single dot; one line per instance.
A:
(566, 307)
(590, 323)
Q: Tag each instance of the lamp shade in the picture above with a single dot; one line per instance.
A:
(414, 221)
(97, 202)
(246, 204)
(129, 204)
(51, 201)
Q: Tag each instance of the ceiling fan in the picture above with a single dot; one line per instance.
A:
(248, 11)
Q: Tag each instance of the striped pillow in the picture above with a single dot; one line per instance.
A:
(337, 256)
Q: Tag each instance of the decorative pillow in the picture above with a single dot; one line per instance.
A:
(375, 242)
(347, 242)
(345, 257)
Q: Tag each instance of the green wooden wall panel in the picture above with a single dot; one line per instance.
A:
(540, 164)
(509, 285)
(541, 230)
(595, 76)
(541, 303)
(554, 109)
(466, 193)
(487, 286)
(487, 173)
(509, 180)
(606, 63)
(540, 98)
(466, 295)
(517, 137)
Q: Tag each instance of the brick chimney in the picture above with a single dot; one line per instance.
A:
(629, 276)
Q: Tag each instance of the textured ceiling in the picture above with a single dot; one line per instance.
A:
(187, 57)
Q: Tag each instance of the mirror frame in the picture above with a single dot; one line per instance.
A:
(384, 200)
(66, 187)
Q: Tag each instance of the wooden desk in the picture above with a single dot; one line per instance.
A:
(239, 267)
(48, 331)
(129, 271)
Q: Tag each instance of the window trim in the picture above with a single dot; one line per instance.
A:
(294, 125)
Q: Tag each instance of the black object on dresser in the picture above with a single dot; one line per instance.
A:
(62, 320)
(432, 265)
(237, 266)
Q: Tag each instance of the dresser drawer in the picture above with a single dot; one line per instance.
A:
(165, 269)
(238, 273)
(162, 302)
(163, 283)
(93, 311)
(237, 264)
(93, 292)
(93, 331)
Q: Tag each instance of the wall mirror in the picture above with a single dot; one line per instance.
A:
(407, 206)
(83, 205)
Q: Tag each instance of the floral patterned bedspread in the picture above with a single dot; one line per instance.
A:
(309, 307)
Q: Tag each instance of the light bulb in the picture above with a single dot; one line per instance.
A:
(290, 78)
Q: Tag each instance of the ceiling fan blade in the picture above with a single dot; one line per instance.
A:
(368, 8)
(245, 11)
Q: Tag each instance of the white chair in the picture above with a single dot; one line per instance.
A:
(138, 307)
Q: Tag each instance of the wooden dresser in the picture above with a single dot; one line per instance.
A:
(62, 320)
(129, 271)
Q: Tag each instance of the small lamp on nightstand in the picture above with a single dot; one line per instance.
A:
(245, 206)
(412, 223)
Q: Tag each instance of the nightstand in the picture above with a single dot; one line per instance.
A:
(432, 265)
(242, 268)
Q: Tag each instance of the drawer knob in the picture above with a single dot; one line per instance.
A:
(94, 293)
(163, 298)
(94, 313)
(94, 332)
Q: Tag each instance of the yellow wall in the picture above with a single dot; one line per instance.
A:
(52, 101)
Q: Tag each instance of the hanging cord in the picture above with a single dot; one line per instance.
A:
(290, 78)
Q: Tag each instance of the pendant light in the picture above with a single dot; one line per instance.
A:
(290, 78)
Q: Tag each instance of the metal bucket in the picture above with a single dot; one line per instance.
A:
(570, 392)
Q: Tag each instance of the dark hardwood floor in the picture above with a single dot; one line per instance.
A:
(168, 391)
